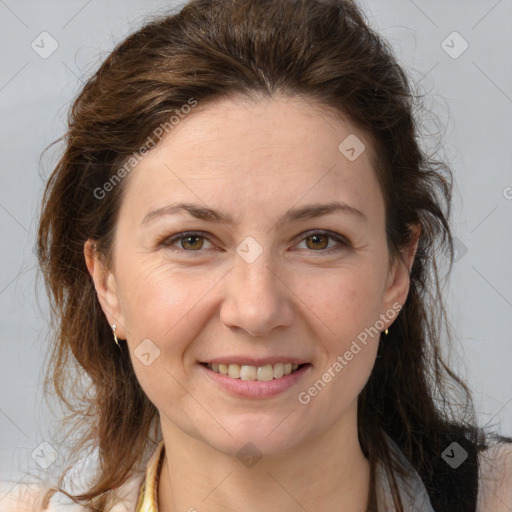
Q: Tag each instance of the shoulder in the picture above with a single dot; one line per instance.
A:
(495, 478)
(21, 497)
(35, 497)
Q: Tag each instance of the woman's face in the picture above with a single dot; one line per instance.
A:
(287, 264)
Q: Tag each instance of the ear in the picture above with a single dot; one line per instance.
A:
(106, 288)
(397, 286)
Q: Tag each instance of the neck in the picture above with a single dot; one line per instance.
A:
(328, 473)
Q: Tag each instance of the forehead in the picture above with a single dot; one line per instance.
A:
(256, 153)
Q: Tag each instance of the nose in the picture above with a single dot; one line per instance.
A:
(257, 299)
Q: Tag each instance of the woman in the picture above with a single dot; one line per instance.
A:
(240, 243)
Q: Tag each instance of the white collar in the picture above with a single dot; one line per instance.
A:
(412, 491)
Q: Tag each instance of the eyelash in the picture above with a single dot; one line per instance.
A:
(344, 243)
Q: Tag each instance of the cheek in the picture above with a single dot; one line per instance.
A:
(161, 304)
(159, 301)
(348, 304)
(346, 300)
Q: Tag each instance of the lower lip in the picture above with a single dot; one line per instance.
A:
(256, 388)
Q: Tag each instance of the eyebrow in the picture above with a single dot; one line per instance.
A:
(306, 212)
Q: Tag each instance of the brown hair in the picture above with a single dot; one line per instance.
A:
(325, 51)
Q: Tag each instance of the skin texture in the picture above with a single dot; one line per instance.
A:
(254, 160)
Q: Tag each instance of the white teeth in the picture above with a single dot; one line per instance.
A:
(234, 371)
(248, 372)
(260, 373)
(278, 370)
(265, 372)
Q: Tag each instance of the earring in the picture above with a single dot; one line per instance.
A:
(386, 332)
(114, 327)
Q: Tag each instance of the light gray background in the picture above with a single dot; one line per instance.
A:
(472, 95)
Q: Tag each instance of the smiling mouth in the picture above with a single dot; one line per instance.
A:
(260, 373)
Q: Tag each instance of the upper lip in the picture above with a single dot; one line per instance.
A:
(251, 361)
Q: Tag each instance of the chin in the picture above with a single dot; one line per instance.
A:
(254, 446)
(254, 436)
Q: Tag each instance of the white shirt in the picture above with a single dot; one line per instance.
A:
(494, 488)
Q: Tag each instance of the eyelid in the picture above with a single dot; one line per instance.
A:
(340, 239)
(168, 241)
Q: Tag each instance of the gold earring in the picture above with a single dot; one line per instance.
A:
(114, 327)
(386, 332)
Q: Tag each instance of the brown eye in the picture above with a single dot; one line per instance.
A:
(192, 242)
(317, 242)
(186, 242)
(324, 242)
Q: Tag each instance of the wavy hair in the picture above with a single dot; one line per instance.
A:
(325, 51)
